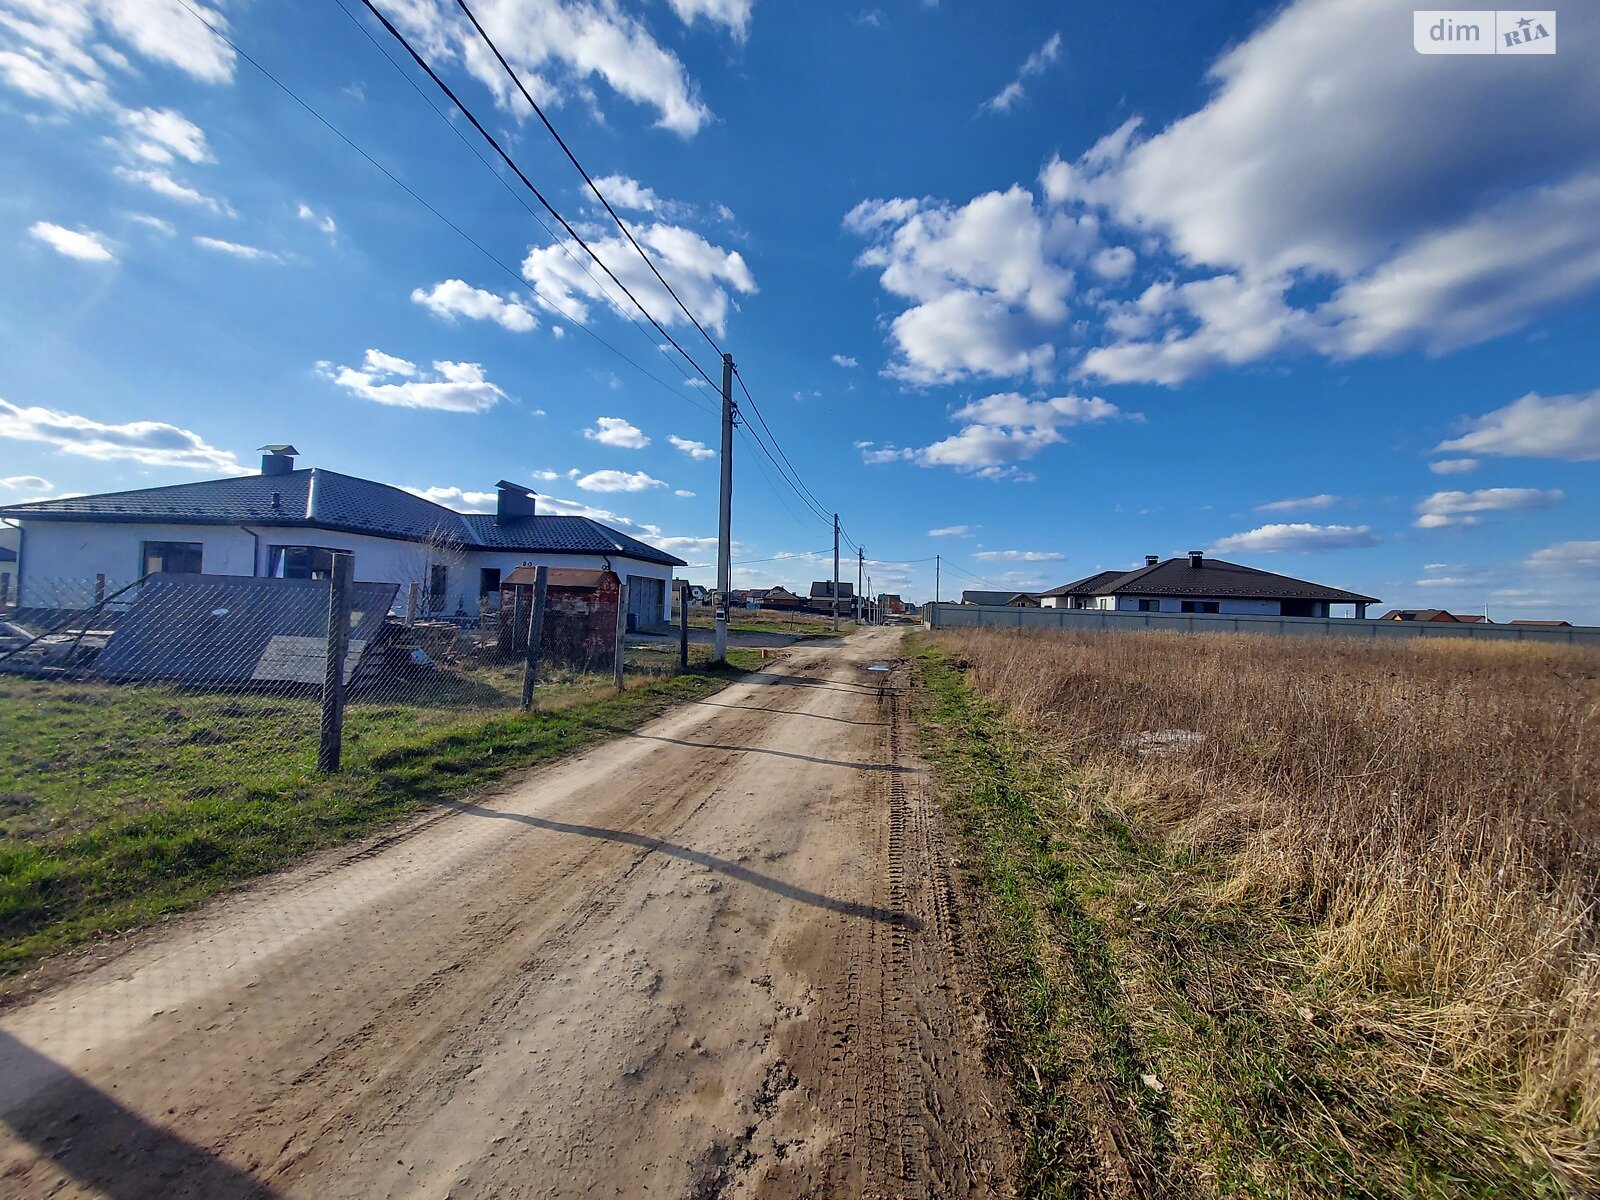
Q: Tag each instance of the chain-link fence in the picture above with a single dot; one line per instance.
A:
(162, 737)
(236, 663)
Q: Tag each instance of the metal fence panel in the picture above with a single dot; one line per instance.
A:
(958, 616)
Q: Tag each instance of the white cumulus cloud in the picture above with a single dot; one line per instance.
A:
(1448, 510)
(455, 298)
(617, 432)
(1297, 538)
(695, 450)
(150, 443)
(618, 481)
(83, 244)
(1560, 427)
(385, 379)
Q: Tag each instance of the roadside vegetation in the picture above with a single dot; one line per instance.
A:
(1283, 917)
(802, 625)
(120, 803)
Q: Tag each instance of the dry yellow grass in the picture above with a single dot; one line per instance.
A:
(1426, 811)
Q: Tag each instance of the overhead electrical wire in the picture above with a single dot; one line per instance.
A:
(780, 461)
(520, 199)
(538, 195)
(405, 187)
(786, 468)
(572, 158)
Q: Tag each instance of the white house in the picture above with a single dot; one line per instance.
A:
(287, 523)
(1197, 584)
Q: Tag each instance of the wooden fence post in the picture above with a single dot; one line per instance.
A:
(622, 633)
(530, 672)
(683, 627)
(413, 603)
(332, 733)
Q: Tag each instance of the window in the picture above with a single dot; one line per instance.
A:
(438, 586)
(172, 558)
(1201, 606)
(488, 581)
(1149, 606)
(301, 562)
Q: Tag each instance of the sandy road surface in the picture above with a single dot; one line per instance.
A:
(714, 958)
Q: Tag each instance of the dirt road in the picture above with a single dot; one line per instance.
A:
(713, 958)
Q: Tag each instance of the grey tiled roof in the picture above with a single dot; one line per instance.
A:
(327, 499)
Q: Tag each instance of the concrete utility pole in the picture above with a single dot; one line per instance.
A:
(725, 515)
(861, 565)
(836, 572)
(937, 563)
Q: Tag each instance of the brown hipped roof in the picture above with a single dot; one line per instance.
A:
(1211, 578)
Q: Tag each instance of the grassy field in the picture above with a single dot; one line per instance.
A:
(120, 803)
(1283, 918)
(800, 624)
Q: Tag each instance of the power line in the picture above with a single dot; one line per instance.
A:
(571, 157)
(515, 195)
(405, 187)
(471, 117)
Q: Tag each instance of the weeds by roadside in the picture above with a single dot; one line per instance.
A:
(122, 803)
(1174, 1024)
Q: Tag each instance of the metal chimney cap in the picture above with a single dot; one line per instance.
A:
(286, 450)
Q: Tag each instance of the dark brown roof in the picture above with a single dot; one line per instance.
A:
(1091, 585)
(1223, 580)
(1419, 614)
(1546, 624)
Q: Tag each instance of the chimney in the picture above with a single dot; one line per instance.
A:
(1151, 560)
(1196, 558)
(513, 500)
(277, 460)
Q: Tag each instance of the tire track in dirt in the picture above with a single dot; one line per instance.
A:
(713, 958)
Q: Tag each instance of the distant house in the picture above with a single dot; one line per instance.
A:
(288, 523)
(1197, 584)
(1544, 624)
(1421, 614)
(891, 604)
(1000, 599)
(782, 598)
(822, 589)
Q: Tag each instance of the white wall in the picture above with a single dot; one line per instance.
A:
(69, 554)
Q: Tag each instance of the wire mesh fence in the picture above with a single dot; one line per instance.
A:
(238, 670)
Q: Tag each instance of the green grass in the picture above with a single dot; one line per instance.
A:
(800, 625)
(122, 803)
(1113, 970)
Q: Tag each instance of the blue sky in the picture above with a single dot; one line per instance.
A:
(1042, 288)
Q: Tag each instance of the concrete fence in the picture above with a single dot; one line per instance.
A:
(967, 616)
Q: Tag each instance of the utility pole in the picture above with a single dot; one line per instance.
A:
(725, 515)
(869, 591)
(861, 565)
(836, 572)
(937, 563)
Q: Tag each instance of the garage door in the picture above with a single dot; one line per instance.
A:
(646, 598)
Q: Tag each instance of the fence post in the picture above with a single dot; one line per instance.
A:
(413, 603)
(332, 733)
(622, 632)
(99, 590)
(530, 671)
(5, 589)
(683, 627)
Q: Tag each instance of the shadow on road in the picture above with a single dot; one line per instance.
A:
(722, 866)
(105, 1146)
